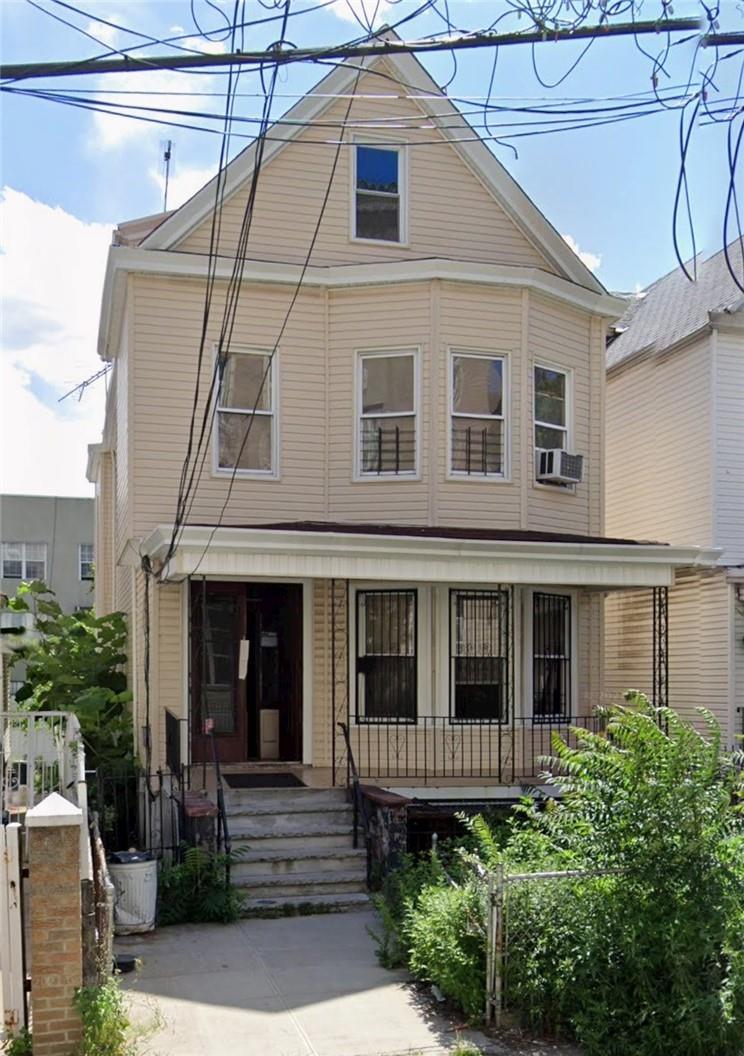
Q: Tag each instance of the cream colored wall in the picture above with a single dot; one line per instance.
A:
(699, 636)
(737, 667)
(466, 226)
(659, 457)
(728, 509)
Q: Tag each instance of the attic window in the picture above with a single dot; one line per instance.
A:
(377, 193)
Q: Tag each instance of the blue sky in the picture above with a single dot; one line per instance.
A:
(69, 176)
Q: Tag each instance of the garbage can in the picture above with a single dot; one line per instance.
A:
(135, 878)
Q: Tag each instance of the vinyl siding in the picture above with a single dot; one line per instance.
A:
(105, 535)
(659, 456)
(451, 214)
(729, 445)
(699, 636)
(737, 689)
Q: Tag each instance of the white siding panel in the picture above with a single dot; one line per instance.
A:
(729, 445)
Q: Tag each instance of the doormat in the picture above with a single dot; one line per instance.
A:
(263, 781)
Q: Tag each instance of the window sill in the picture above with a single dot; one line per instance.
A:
(375, 478)
(483, 478)
(246, 474)
(378, 242)
(557, 489)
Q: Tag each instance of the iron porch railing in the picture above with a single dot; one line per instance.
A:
(440, 747)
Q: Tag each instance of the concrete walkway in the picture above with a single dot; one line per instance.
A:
(295, 986)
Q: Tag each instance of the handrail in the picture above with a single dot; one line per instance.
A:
(221, 811)
(357, 797)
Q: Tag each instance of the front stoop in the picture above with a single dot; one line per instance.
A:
(296, 850)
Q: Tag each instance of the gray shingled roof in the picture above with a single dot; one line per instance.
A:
(673, 307)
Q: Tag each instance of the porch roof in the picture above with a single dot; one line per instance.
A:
(426, 554)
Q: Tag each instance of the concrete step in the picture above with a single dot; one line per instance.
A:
(292, 904)
(306, 822)
(292, 840)
(283, 798)
(279, 863)
(303, 810)
(298, 885)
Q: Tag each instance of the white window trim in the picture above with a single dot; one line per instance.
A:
(562, 489)
(367, 353)
(250, 474)
(423, 648)
(528, 639)
(24, 559)
(401, 149)
(85, 579)
(505, 417)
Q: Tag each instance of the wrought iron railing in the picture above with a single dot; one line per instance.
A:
(387, 448)
(441, 747)
(357, 799)
(140, 809)
(224, 842)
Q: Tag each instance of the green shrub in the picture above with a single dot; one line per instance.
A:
(106, 1027)
(394, 902)
(447, 947)
(19, 1044)
(196, 890)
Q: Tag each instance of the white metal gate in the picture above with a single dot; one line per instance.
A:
(12, 966)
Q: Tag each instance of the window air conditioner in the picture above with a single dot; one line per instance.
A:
(558, 466)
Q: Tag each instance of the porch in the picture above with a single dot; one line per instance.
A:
(449, 657)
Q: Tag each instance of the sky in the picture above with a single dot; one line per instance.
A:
(68, 176)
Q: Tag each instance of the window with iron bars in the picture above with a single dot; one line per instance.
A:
(480, 655)
(387, 426)
(386, 660)
(551, 657)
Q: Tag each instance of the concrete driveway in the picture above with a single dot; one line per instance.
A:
(295, 986)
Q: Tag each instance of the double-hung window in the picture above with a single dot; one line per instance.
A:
(387, 420)
(551, 408)
(551, 657)
(85, 556)
(378, 200)
(246, 412)
(386, 682)
(24, 560)
(480, 636)
(477, 415)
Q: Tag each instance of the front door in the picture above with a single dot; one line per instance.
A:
(246, 668)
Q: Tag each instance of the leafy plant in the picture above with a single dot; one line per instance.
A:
(400, 891)
(19, 1044)
(107, 1030)
(77, 666)
(196, 890)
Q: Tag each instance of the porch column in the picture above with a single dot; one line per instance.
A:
(660, 631)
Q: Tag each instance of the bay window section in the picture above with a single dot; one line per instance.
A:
(480, 667)
(477, 415)
(551, 657)
(551, 408)
(377, 193)
(387, 425)
(246, 413)
(386, 660)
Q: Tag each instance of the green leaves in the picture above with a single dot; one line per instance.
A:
(196, 890)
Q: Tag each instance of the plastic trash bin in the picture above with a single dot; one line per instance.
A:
(135, 878)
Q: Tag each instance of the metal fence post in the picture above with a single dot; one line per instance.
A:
(498, 944)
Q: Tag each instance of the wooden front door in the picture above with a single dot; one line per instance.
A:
(246, 667)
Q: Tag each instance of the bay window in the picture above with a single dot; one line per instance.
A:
(477, 415)
(387, 420)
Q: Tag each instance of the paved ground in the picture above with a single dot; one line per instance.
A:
(296, 986)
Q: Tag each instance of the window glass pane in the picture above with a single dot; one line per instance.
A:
(256, 446)
(377, 169)
(386, 661)
(377, 217)
(479, 666)
(550, 396)
(477, 446)
(35, 561)
(549, 438)
(221, 620)
(477, 385)
(388, 445)
(387, 384)
(86, 561)
(241, 382)
(13, 560)
(551, 647)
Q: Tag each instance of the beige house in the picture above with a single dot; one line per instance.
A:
(675, 471)
(397, 514)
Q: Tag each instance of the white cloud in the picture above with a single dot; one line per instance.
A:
(592, 260)
(107, 34)
(51, 275)
(209, 47)
(362, 12)
(182, 183)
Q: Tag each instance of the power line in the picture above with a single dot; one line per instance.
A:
(371, 49)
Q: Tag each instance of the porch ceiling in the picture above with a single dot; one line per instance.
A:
(351, 552)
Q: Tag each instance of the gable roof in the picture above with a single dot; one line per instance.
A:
(673, 308)
(453, 127)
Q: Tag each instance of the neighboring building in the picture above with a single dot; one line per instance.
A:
(52, 539)
(49, 538)
(675, 471)
(392, 552)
